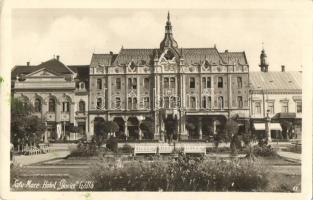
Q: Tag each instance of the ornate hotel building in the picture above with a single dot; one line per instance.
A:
(186, 91)
(169, 85)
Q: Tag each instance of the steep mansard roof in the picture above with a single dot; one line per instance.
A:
(190, 55)
(274, 81)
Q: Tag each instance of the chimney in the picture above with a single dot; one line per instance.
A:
(283, 68)
(58, 57)
(226, 51)
(28, 63)
(111, 53)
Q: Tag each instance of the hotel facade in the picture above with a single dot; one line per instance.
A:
(187, 92)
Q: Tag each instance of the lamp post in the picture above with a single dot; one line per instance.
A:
(140, 118)
(267, 127)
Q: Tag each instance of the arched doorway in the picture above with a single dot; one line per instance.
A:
(121, 124)
(133, 128)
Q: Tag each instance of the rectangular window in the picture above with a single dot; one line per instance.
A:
(146, 101)
(166, 83)
(129, 103)
(99, 103)
(172, 82)
(204, 104)
(239, 82)
(193, 102)
(239, 101)
(118, 83)
(206, 82)
(117, 102)
(129, 83)
(220, 82)
(257, 107)
(192, 83)
(284, 107)
(166, 102)
(173, 102)
(209, 103)
(134, 83)
(146, 83)
(65, 106)
(299, 107)
(99, 84)
(135, 103)
(270, 107)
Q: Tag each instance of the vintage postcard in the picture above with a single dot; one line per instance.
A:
(139, 99)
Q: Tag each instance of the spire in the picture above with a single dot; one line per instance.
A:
(263, 60)
(168, 40)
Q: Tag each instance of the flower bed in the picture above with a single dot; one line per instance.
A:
(180, 174)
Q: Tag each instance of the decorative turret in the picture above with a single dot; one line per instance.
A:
(263, 61)
(168, 40)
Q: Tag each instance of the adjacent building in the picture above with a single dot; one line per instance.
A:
(58, 93)
(278, 95)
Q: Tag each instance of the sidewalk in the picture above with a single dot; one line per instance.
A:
(290, 156)
(31, 159)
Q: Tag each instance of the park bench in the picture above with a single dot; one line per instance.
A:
(194, 149)
(165, 149)
(44, 148)
(145, 149)
(31, 151)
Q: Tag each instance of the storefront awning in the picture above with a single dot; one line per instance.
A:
(273, 126)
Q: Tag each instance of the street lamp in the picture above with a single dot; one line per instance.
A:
(267, 126)
(140, 118)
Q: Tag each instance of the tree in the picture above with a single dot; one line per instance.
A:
(229, 133)
(103, 129)
(25, 128)
(286, 128)
(147, 127)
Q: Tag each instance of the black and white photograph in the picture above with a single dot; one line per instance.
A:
(203, 100)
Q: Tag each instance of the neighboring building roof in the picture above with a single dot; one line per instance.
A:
(234, 57)
(52, 65)
(276, 81)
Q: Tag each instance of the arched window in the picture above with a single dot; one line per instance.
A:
(81, 106)
(51, 105)
(37, 105)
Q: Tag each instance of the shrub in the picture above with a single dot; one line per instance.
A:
(85, 150)
(182, 174)
(263, 151)
(126, 148)
(15, 172)
(112, 144)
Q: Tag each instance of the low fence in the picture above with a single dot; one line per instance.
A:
(164, 148)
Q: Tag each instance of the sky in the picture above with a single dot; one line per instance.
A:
(74, 34)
